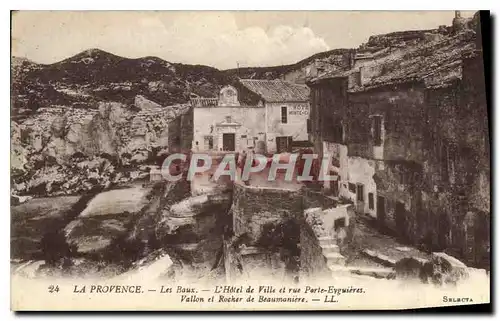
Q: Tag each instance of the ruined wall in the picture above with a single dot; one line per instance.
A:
(456, 189)
(478, 130)
(244, 263)
(186, 130)
(312, 199)
(253, 207)
(260, 264)
(398, 186)
(314, 120)
(402, 111)
(312, 261)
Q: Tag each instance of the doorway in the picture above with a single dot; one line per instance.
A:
(381, 210)
(228, 142)
(282, 144)
(334, 184)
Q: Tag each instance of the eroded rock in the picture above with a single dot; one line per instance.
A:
(409, 268)
(444, 269)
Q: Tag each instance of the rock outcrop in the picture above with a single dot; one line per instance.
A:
(66, 150)
(107, 217)
(440, 269)
(31, 220)
(193, 229)
(444, 269)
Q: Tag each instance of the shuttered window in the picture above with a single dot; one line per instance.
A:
(284, 115)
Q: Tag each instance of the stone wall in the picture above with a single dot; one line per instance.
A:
(180, 132)
(253, 207)
(243, 263)
(312, 260)
(311, 198)
(401, 109)
(320, 238)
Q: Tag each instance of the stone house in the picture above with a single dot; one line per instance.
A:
(408, 138)
(266, 116)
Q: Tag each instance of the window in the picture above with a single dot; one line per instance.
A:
(370, 201)
(339, 223)
(377, 130)
(352, 188)
(360, 192)
(308, 124)
(284, 115)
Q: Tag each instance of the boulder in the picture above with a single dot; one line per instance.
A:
(444, 269)
(143, 103)
(409, 268)
(16, 200)
(31, 220)
(107, 218)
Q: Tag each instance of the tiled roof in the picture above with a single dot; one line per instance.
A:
(277, 90)
(204, 102)
(435, 63)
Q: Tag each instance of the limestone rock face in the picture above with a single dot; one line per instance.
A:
(445, 269)
(193, 228)
(192, 219)
(32, 219)
(106, 218)
(18, 154)
(46, 146)
(410, 268)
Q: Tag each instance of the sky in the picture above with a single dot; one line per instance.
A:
(222, 39)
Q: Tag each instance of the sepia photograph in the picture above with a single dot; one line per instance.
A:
(250, 160)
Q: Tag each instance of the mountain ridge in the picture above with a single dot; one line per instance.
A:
(95, 75)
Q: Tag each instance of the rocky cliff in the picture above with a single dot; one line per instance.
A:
(58, 149)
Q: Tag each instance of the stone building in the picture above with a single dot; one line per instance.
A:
(262, 115)
(408, 138)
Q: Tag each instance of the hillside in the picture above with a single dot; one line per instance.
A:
(332, 58)
(97, 76)
(94, 76)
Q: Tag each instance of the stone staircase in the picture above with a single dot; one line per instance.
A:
(331, 252)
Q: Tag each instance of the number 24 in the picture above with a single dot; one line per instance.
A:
(53, 288)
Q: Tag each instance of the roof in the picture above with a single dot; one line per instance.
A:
(334, 74)
(277, 90)
(436, 63)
